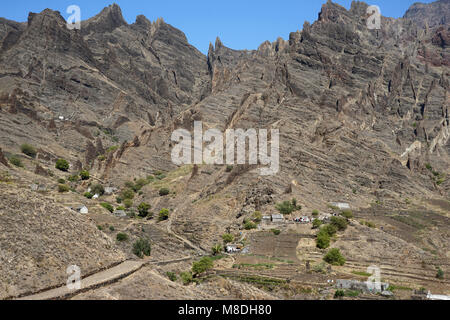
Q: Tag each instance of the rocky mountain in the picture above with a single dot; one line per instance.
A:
(363, 118)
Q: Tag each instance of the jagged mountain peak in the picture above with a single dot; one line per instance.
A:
(107, 20)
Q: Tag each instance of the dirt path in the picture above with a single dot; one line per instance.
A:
(99, 279)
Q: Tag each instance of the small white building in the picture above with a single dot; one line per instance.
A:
(83, 210)
(96, 196)
(277, 218)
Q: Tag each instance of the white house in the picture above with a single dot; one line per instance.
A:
(277, 218)
(83, 210)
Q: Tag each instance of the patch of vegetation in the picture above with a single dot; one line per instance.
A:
(339, 294)
(85, 175)
(322, 240)
(61, 181)
(142, 248)
(369, 224)
(127, 193)
(15, 160)
(249, 225)
(334, 257)
(62, 188)
(340, 223)
(319, 268)
(99, 227)
(74, 178)
(440, 274)
(393, 287)
(163, 214)
(112, 149)
(164, 192)
(329, 229)
(408, 221)
(88, 195)
(5, 177)
(112, 229)
(28, 150)
(362, 273)
(107, 206)
(316, 223)
(203, 265)
(122, 237)
(287, 207)
(128, 203)
(276, 232)
(347, 214)
(216, 249)
(227, 238)
(229, 168)
(62, 165)
(171, 275)
(257, 216)
(315, 213)
(266, 283)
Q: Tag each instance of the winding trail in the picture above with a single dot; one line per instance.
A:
(99, 279)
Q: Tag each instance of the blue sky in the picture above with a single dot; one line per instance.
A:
(240, 24)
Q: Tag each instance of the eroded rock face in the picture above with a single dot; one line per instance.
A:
(3, 159)
(359, 111)
(431, 15)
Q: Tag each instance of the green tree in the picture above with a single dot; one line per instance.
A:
(322, 240)
(84, 174)
(142, 247)
(285, 207)
(316, 223)
(164, 192)
(121, 237)
(127, 193)
(334, 257)
(163, 214)
(15, 160)
(172, 276)
(143, 209)
(62, 165)
(107, 206)
(340, 223)
(315, 213)
(329, 229)
(186, 277)
(28, 150)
